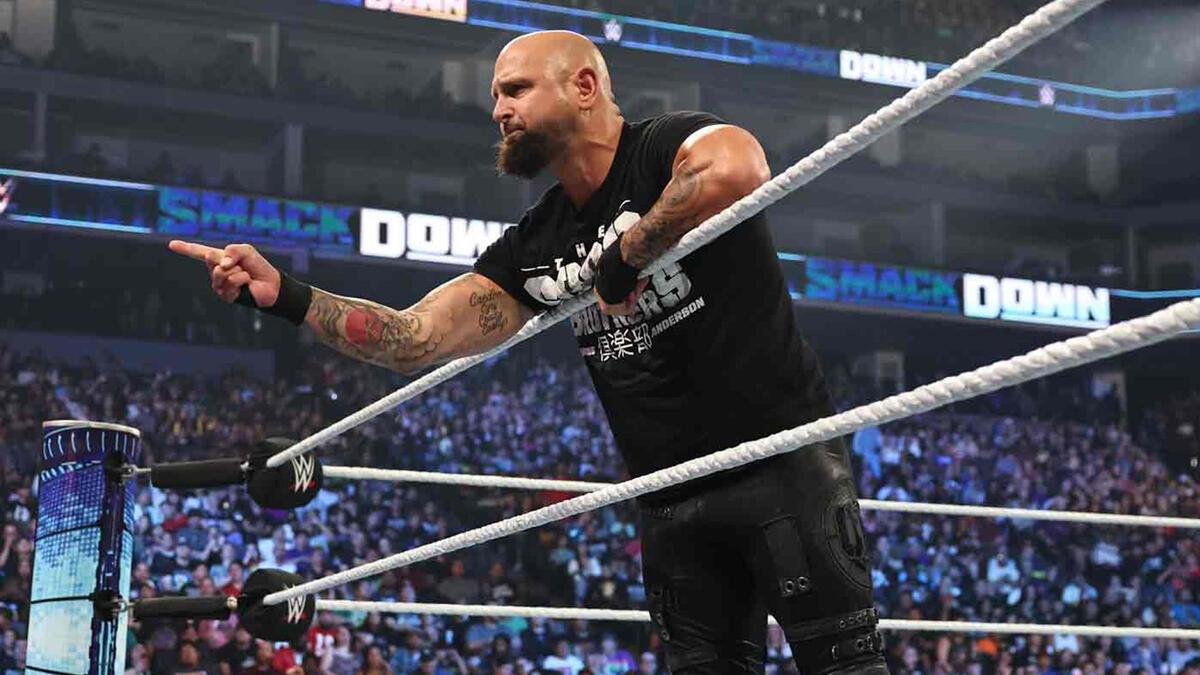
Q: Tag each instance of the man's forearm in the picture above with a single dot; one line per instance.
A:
(464, 316)
(678, 210)
(397, 339)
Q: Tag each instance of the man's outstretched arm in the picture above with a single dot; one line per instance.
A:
(464, 316)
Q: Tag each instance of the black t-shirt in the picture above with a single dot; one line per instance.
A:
(713, 356)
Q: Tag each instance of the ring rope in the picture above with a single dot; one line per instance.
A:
(568, 613)
(470, 480)
(1052, 358)
(927, 508)
(996, 51)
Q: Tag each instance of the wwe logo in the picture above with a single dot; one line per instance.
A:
(612, 30)
(303, 467)
(1046, 95)
(295, 609)
(7, 188)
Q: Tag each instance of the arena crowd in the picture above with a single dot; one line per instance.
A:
(524, 415)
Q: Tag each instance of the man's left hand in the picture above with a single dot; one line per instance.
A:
(626, 308)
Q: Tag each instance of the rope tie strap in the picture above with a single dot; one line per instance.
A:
(996, 51)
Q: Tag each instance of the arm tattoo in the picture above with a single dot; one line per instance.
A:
(371, 332)
(675, 212)
(491, 318)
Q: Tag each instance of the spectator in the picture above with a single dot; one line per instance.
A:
(238, 654)
(189, 662)
(374, 663)
(458, 588)
(562, 660)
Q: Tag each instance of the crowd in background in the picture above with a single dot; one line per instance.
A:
(135, 312)
(523, 415)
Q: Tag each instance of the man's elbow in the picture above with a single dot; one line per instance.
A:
(732, 182)
(744, 179)
(742, 166)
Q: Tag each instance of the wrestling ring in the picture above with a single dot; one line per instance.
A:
(299, 597)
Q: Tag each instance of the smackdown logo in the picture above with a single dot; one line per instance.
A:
(882, 69)
(220, 215)
(1026, 301)
(880, 285)
(425, 237)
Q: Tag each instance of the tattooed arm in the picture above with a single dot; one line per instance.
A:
(465, 316)
(713, 168)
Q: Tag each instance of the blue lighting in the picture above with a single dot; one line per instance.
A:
(679, 51)
(602, 16)
(1155, 295)
(999, 98)
(1062, 107)
(67, 222)
(521, 28)
(1064, 86)
(98, 182)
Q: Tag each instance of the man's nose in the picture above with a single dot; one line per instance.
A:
(502, 112)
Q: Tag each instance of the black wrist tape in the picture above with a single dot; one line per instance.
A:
(615, 278)
(293, 301)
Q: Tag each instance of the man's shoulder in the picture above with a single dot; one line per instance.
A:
(660, 137)
(677, 119)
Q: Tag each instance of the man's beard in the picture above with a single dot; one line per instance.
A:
(526, 153)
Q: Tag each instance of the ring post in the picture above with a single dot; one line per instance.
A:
(83, 554)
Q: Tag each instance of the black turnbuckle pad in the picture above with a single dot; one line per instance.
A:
(290, 485)
(285, 622)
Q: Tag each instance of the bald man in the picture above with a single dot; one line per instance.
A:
(700, 356)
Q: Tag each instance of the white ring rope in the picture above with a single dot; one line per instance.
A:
(927, 508)
(996, 51)
(472, 480)
(567, 613)
(1085, 517)
(1052, 358)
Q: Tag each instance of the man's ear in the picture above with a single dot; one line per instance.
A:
(587, 88)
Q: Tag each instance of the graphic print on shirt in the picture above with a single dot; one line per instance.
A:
(605, 337)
